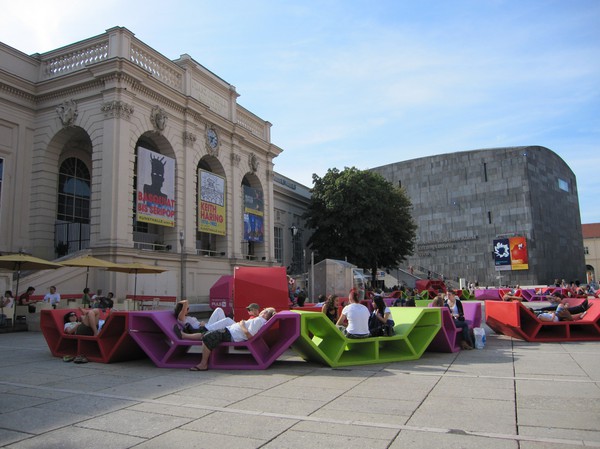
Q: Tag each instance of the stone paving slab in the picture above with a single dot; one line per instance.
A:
(512, 394)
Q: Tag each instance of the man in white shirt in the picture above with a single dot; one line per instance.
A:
(53, 298)
(357, 316)
(240, 331)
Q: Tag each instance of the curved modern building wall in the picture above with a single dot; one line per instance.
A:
(463, 201)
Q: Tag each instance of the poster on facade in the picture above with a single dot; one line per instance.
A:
(253, 201)
(502, 254)
(519, 259)
(212, 216)
(155, 188)
(511, 254)
(253, 228)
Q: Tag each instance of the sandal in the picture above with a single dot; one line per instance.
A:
(195, 368)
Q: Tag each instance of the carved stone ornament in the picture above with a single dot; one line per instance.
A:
(158, 117)
(67, 113)
(254, 163)
(189, 138)
(118, 109)
(235, 159)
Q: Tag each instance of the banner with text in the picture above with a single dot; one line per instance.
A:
(155, 188)
(212, 213)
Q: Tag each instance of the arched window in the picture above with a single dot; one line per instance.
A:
(74, 192)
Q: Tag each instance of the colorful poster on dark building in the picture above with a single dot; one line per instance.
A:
(502, 254)
(253, 201)
(519, 259)
(253, 215)
(212, 214)
(253, 228)
(155, 188)
(511, 254)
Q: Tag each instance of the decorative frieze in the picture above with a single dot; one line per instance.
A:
(189, 138)
(117, 109)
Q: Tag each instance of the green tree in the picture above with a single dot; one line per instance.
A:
(359, 216)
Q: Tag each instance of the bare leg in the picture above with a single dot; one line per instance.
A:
(203, 365)
(91, 319)
(196, 337)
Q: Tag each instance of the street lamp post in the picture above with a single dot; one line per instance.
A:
(294, 231)
(182, 242)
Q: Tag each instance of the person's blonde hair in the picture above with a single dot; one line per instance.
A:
(271, 311)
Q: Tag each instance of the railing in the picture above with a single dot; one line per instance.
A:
(75, 60)
(157, 68)
(209, 253)
(119, 43)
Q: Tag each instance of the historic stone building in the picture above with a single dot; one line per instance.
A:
(109, 147)
(465, 202)
(591, 249)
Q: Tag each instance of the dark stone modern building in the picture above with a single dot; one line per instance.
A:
(464, 201)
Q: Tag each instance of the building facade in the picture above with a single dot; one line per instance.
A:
(464, 203)
(108, 147)
(591, 249)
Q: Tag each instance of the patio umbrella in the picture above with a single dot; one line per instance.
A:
(87, 261)
(18, 262)
(135, 268)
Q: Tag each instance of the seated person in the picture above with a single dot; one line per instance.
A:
(380, 323)
(8, 301)
(456, 309)
(331, 308)
(236, 332)
(87, 326)
(357, 317)
(438, 301)
(25, 300)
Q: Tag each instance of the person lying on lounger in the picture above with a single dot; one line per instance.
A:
(236, 332)
(562, 313)
(192, 325)
(88, 324)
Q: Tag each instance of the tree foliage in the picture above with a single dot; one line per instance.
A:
(361, 217)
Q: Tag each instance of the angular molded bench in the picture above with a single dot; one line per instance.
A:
(321, 341)
(153, 331)
(112, 344)
(516, 320)
(449, 337)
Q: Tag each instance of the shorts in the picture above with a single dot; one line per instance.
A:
(214, 338)
(83, 329)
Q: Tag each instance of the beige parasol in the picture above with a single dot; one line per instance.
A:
(87, 261)
(135, 268)
(20, 261)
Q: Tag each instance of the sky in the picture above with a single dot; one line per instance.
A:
(352, 83)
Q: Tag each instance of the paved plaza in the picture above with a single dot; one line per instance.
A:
(512, 394)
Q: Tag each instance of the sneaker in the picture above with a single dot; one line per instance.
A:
(68, 358)
(177, 331)
(585, 304)
(80, 359)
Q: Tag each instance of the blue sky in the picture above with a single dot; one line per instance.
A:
(367, 83)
